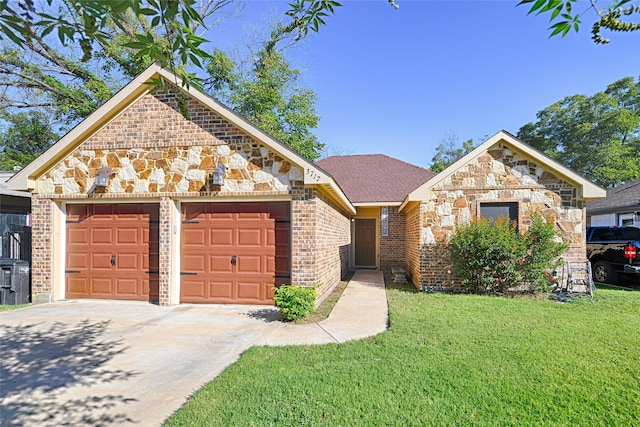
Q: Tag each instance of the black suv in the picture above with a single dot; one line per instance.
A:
(614, 251)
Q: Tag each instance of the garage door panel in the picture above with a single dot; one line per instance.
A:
(77, 285)
(130, 233)
(129, 262)
(193, 237)
(129, 236)
(221, 237)
(76, 261)
(247, 230)
(101, 261)
(221, 290)
(250, 290)
(195, 263)
(101, 236)
(78, 235)
(128, 287)
(220, 264)
(251, 237)
(250, 264)
(193, 288)
(102, 286)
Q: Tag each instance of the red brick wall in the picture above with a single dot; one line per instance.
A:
(321, 241)
(413, 243)
(41, 249)
(392, 247)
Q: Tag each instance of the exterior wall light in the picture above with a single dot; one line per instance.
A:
(217, 178)
(102, 176)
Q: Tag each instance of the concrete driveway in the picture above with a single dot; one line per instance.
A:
(103, 363)
(108, 362)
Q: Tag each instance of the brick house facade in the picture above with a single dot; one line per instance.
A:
(164, 229)
(158, 158)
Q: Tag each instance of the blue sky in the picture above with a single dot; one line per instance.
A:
(398, 81)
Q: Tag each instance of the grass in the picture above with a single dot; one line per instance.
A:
(323, 310)
(12, 307)
(446, 360)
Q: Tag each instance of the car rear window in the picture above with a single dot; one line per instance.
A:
(632, 233)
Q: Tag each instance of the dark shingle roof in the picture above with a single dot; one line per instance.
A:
(370, 178)
(626, 195)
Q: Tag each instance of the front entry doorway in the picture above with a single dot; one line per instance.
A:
(365, 242)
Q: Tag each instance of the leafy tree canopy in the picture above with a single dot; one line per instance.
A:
(597, 136)
(268, 95)
(24, 137)
(64, 58)
(449, 151)
(564, 16)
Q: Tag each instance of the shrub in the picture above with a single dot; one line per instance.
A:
(491, 256)
(543, 254)
(294, 301)
(486, 254)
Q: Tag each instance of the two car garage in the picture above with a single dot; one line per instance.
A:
(229, 252)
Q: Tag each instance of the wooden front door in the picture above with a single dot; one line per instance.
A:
(234, 252)
(365, 242)
(112, 251)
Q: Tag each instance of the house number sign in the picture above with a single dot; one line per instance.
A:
(384, 221)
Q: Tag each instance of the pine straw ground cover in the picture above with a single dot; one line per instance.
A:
(446, 360)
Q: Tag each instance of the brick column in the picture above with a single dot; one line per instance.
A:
(164, 263)
(41, 249)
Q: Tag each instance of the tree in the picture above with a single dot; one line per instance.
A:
(616, 16)
(267, 94)
(24, 137)
(597, 136)
(63, 59)
(449, 151)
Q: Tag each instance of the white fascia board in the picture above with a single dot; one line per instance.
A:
(589, 189)
(25, 178)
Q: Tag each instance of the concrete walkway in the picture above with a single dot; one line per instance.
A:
(96, 362)
(361, 312)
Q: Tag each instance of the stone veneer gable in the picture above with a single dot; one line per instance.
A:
(152, 149)
(498, 175)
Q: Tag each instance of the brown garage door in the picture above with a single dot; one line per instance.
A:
(234, 252)
(112, 251)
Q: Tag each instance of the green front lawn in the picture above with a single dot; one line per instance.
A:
(12, 307)
(446, 360)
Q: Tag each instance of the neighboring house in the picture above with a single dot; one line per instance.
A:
(137, 202)
(621, 207)
(15, 221)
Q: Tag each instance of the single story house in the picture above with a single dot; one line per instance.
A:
(141, 201)
(620, 208)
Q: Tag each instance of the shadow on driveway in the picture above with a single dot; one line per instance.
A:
(39, 361)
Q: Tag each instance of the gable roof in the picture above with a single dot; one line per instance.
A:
(375, 178)
(589, 189)
(623, 196)
(138, 87)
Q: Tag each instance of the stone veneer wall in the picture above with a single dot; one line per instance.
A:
(392, 247)
(321, 241)
(498, 175)
(153, 150)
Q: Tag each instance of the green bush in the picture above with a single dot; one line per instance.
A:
(294, 301)
(491, 256)
(543, 254)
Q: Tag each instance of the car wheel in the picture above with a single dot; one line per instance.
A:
(603, 272)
